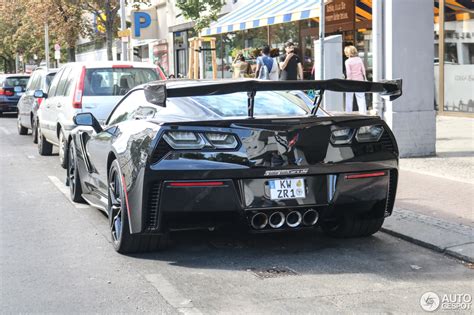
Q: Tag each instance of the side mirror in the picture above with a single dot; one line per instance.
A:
(87, 119)
(39, 94)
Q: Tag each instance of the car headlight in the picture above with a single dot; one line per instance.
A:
(369, 133)
(222, 140)
(184, 140)
(342, 136)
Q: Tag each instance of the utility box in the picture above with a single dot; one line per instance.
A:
(332, 101)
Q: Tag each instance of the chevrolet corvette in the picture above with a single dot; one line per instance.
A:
(185, 154)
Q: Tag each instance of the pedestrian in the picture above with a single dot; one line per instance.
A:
(267, 67)
(355, 70)
(240, 67)
(290, 64)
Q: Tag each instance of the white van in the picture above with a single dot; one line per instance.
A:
(94, 87)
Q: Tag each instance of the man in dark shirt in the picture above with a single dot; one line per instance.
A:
(290, 64)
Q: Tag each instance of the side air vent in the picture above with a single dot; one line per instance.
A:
(153, 203)
(392, 190)
(387, 142)
(160, 151)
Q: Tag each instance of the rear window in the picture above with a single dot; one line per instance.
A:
(267, 103)
(116, 81)
(17, 81)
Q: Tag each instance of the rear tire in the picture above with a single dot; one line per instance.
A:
(351, 226)
(75, 188)
(63, 150)
(44, 147)
(21, 130)
(123, 241)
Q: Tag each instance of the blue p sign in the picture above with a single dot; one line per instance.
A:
(140, 20)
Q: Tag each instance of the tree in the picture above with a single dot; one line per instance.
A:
(202, 12)
(106, 12)
(65, 21)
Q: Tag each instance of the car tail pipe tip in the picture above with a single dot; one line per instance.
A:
(259, 221)
(276, 220)
(310, 217)
(293, 219)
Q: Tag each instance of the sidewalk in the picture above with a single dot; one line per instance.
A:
(435, 198)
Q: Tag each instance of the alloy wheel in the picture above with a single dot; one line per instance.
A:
(115, 204)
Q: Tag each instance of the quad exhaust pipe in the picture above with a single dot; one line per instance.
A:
(310, 217)
(293, 219)
(277, 219)
(259, 221)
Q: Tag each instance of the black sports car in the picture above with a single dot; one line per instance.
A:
(197, 154)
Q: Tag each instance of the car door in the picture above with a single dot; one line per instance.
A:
(47, 113)
(99, 145)
(27, 100)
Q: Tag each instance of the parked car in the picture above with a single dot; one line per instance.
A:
(28, 105)
(93, 87)
(188, 154)
(12, 87)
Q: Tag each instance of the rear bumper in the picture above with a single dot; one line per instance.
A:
(245, 193)
(9, 106)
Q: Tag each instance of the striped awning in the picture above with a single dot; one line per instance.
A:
(262, 13)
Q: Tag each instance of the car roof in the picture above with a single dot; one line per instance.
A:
(110, 64)
(16, 75)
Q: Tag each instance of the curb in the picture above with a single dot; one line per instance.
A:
(452, 239)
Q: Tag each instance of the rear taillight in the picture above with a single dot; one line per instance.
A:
(121, 66)
(77, 96)
(6, 92)
(39, 100)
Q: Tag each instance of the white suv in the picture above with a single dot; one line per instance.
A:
(85, 87)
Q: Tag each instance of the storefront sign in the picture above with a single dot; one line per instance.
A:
(340, 15)
(144, 24)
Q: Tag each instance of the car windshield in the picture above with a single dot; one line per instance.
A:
(16, 81)
(267, 103)
(116, 81)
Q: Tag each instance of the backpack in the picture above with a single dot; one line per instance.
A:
(264, 73)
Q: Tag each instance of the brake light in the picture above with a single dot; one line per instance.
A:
(122, 66)
(196, 184)
(77, 96)
(365, 175)
(39, 100)
(6, 92)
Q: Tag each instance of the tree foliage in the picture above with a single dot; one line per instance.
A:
(202, 12)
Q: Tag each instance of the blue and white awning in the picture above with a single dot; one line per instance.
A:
(262, 13)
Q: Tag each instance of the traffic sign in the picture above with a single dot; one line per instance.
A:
(124, 33)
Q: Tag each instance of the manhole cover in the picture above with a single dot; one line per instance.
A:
(273, 272)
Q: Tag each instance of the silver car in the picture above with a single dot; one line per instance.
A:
(94, 87)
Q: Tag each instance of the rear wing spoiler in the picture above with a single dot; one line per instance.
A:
(157, 92)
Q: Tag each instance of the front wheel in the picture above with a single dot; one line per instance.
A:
(21, 130)
(123, 241)
(352, 226)
(75, 188)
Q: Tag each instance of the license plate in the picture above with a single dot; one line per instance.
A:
(290, 188)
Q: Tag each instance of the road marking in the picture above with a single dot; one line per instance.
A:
(31, 157)
(62, 188)
(5, 130)
(172, 295)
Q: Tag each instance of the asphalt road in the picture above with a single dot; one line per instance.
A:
(56, 257)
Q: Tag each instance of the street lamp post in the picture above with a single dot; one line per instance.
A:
(322, 17)
(123, 26)
(46, 45)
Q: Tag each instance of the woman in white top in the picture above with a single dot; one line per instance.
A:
(355, 70)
